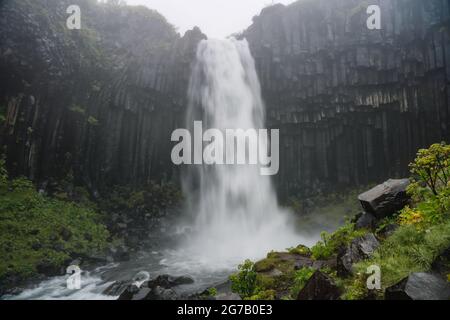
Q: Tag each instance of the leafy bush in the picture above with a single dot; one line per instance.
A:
(430, 187)
(244, 282)
(432, 169)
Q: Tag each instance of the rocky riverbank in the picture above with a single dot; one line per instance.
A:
(396, 248)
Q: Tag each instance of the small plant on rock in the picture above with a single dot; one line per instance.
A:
(244, 282)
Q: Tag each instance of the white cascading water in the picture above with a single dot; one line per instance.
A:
(236, 209)
(237, 213)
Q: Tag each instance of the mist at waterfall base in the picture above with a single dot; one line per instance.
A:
(236, 212)
(233, 212)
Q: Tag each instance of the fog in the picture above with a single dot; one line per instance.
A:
(216, 18)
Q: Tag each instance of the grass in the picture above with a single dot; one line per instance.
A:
(39, 234)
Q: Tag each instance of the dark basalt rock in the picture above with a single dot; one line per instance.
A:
(441, 264)
(157, 289)
(359, 249)
(167, 281)
(352, 104)
(107, 117)
(319, 287)
(420, 286)
(388, 230)
(365, 221)
(386, 199)
(117, 288)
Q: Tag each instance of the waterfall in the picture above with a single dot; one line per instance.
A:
(237, 215)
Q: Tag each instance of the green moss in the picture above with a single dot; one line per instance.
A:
(300, 250)
(275, 260)
(266, 295)
(93, 121)
(78, 109)
(40, 231)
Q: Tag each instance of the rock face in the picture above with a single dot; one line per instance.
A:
(420, 286)
(385, 199)
(319, 287)
(353, 105)
(98, 103)
(359, 249)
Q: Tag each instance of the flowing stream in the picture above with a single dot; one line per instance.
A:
(234, 210)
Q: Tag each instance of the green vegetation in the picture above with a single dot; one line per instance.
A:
(422, 236)
(332, 242)
(244, 282)
(77, 109)
(92, 121)
(39, 234)
(302, 276)
(152, 198)
(424, 231)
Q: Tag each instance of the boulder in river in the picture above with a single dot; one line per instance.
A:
(320, 287)
(160, 288)
(385, 199)
(420, 286)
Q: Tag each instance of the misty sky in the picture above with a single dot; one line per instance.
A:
(216, 18)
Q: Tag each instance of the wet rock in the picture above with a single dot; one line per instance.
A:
(131, 291)
(441, 264)
(420, 286)
(385, 199)
(160, 293)
(120, 253)
(365, 221)
(359, 249)
(388, 230)
(167, 281)
(117, 288)
(157, 289)
(319, 287)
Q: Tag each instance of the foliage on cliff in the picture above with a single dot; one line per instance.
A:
(39, 234)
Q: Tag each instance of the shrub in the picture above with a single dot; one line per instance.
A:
(431, 168)
(244, 282)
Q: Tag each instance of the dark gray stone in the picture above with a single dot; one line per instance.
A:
(420, 286)
(442, 263)
(366, 221)
(319, 287)
(385, 199)
(359, 249)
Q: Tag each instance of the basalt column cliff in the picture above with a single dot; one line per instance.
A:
(353, 104)
(99, 103)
